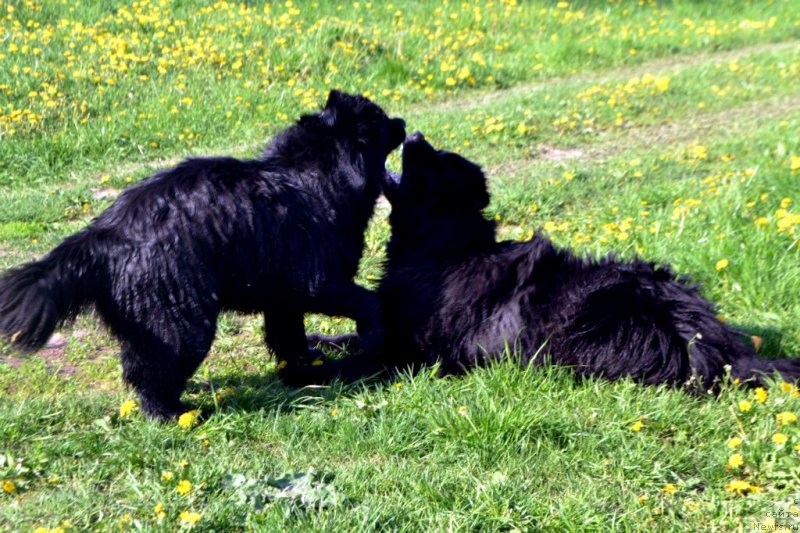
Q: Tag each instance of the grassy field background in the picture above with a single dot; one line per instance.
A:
(667, 130)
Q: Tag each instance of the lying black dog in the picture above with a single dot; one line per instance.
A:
(281, 235)
(453, 295)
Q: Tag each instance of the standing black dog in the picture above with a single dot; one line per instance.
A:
(452, 294)
(281, 235)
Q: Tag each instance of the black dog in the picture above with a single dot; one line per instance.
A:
(452, 294)
(281, 235)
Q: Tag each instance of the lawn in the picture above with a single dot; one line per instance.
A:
(665, 130)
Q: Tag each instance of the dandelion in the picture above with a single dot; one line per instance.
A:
(9, 487)
(795, 163)
(166, 476)
(184, 487)
(642, 499)
(779, 439)
(722, 264)
(189, 518)
(739, 486)
(188, 419)
(735, 461)
(158, 510)
(184, 464)
(637, 426)
(786, 417)
(669, 488)
(734, 442)
(317, 362)
(224, 393)
(698, 151)
(787, 387)
(127, 408)
(760, 395)
(745, 406)
(462, 410)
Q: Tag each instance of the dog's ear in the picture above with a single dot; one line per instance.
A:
(332, 107)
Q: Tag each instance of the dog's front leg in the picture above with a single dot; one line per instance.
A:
(285, 334)
(353, 301)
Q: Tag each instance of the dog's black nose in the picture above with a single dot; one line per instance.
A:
(416, 137)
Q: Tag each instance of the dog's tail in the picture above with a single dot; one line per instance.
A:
(38, 296)
(755, 367)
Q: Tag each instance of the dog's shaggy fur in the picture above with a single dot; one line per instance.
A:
(453, 295)
(281, 235)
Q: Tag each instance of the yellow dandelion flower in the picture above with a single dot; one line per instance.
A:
(188, 419)
(462, 410)
(9, 487)
(735, 461)
(722, 264)
(166, 475)
(739, 486)
(282, 364)
(225, 392)
(317, 362)
(795, 163)
(745, 406)
(734, 442)
(184, 487)
(189, 518)
(158, 510)
(184, 464)
(760, 395)
(786, 417)
(669, 488)
(780, 439)
(786, 387)
(127, 408)
(642, 499)
(637, 426)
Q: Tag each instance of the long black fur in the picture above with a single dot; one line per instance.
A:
(281, 235)
(454, 295)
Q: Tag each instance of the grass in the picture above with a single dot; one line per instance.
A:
(664, 130)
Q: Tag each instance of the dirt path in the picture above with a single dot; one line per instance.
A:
(654, 66)
(700, 125)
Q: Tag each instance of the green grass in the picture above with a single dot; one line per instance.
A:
(666, 130)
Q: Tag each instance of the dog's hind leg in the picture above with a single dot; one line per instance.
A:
(158, 360)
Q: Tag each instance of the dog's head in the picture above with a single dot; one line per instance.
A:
(436, 180)
(363, 122)
(439, 198)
